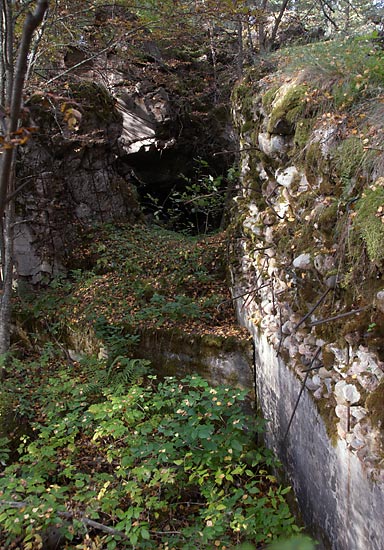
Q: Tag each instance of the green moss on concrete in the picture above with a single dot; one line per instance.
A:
(369, 221)
(268, 98)
(326, 408)
(302, 133)
(289, 105)
(375, 406)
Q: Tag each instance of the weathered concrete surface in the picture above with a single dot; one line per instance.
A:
(218, 359)
(339, 501)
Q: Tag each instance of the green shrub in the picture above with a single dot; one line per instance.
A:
(172, 464)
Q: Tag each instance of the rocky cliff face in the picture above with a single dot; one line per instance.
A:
(308, 271)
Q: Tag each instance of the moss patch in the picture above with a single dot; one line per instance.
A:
(369, 222)
(375, 405)
(313, 163)
(95, 100)
(327, 218)
(268, 98)
(288, 105)
(326, 409)
(302, 133)
(348, 160)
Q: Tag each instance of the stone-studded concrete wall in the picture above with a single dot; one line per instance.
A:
(315, 310)
(339, 501)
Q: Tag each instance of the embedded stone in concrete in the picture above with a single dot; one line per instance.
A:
(380, 301)
(303, 262)
(287, 176)
(340, 496)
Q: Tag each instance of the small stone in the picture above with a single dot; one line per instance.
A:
(312, 384)
(368, 381)
(74, 355)
(268, 307)
(341, 355)
(331, 281)
(339, 391)
(360, 431)
(287, 327)
(273, 145)
(325, 373)
(323, 263)
(303, 262)
(305, 350)
(318, 394)
(287, 176)
(359, 413)
(355, 369)
(341, 412)
(370, 362)
(357, 443)
(269, 234)
(380, 301)
(350, 393)
(328, 385)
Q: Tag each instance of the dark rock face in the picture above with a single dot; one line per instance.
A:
(127, 120)
(86, 169)
(70, 181)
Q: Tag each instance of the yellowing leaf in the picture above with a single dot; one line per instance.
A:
(103, 490)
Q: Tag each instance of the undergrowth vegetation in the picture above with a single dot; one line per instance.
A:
(344, 85)
(137, 278)
(350, 69)
(113, 461)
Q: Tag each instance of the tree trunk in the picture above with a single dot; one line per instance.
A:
(212, 47)
(13, 88)
(240, 47)
(6, 281)
(276, 26)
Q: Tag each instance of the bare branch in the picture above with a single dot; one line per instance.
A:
(336, 317)
(69, 515)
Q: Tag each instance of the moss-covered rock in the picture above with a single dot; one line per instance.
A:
(268, 98)
(315, 165)
(375, 406)
(302, 133)
(369, 221)
(287, 107)
(349, 158)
